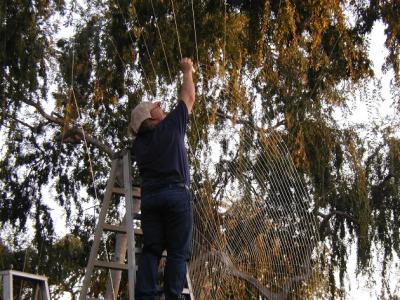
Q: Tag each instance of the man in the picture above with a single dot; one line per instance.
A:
(166, 205)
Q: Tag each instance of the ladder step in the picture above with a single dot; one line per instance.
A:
(114, 228)
(120, 229)
(122, 191)
(185, 291)
(110, 265)
(25, 276)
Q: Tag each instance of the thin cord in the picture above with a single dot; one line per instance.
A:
(161, 40)
(283, 156)
(208, 224)
(87, 152)
(281, 175)
(209, 221)
(224, 51)
(284, 153)
(196, 40)
(83, 130)
(125, 64)
(130, 36)
(176, 28)
(195, 33)
(218, 240)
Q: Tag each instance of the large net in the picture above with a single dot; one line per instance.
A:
(255, 235)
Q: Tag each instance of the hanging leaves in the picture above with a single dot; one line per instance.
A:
(274, 68)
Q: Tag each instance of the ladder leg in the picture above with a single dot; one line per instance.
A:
(36, 290)
(113, 283)
(7, 287)
(98, 232)
(129, 226)
(44, 290)
(189, 284)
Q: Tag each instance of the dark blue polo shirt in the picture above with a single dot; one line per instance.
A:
(161, 153)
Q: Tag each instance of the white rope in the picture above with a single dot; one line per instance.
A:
(224, 50)
(283, 154)
(208, 222)
(86, 147)
(83, 130)
(195, 35)
(130, 36)
(161, 40)
(282, 170)
(279, 171)
(176, 28)
(125, 64)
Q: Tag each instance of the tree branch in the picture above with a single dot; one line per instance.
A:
(21, 122)
(326, 217)
(77, 135)
(59, 120)
(338, 213)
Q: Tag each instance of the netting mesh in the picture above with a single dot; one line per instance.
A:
(254, 235)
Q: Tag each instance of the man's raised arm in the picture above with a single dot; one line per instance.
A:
(187, 90)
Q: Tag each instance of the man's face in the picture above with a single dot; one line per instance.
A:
(157, 113)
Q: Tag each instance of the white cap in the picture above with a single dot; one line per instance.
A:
(140, 113)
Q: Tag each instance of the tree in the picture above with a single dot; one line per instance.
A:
(276, 65)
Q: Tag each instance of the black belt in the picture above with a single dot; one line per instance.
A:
(157, 187)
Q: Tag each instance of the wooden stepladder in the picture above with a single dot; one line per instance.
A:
(114, 187)
(40, 282)
(120, 183)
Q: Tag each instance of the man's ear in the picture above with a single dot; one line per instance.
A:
(130, 132)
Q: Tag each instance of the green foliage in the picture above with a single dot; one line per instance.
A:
(389, 13)
(66, 264)
(293, 56)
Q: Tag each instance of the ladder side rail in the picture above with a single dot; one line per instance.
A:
(121, 245)
(44, 287)
(98, 231)
(24, 275)
(7, 287)
(113, 283)
(37, 289)
(129, 225)
(189, 284)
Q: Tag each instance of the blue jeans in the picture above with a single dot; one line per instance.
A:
(167, 222)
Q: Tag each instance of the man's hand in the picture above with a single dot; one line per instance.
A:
(186, 65)
(187, 89)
